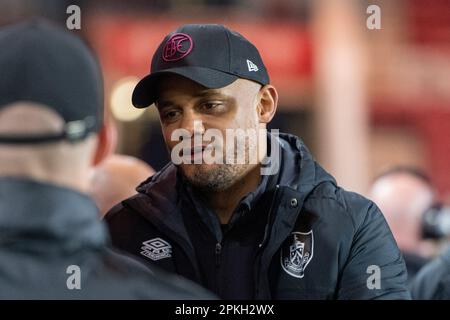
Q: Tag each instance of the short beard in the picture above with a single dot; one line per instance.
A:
(218, 179)
(222, 176)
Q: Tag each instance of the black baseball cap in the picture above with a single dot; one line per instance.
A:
(209, 54)
(42, 63)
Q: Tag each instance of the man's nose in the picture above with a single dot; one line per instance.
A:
(193, 124)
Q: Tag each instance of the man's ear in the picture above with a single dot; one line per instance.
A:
(268, 101)
(106, 143)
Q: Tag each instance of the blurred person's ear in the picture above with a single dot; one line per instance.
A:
(268, 101)
(107, 142)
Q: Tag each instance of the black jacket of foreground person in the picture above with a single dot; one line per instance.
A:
(53, 246)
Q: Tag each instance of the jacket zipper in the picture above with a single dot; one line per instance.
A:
(218, 254)
(263, 243)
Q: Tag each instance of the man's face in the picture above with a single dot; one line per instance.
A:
(181, 102)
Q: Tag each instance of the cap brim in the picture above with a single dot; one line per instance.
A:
(145, 94)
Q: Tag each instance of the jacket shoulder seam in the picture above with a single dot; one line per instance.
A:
(340, 203)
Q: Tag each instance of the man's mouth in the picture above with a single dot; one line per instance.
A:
(200, 154)
(197, 150)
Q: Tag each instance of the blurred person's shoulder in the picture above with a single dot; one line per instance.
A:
(145, 282)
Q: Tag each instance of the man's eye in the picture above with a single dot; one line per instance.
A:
(171, 115)
(210, 105)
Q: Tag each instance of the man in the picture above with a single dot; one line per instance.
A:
(53, 245)
(403, 195)
(115, 179)
(267, 227)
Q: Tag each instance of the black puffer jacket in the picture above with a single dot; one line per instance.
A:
(322, 242)
(51, 240)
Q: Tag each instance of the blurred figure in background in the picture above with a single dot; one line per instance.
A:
(116, 179)
(403, 195)
(433, 280)
(53, 245)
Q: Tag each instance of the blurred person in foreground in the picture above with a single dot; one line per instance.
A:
(115, 179)
(404, 194)
(263, 227)
(53, 245)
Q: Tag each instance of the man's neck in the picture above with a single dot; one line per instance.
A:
(225, 202)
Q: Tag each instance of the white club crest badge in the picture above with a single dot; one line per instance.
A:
(296, 253)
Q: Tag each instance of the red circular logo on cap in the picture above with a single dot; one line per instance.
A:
(177, 47)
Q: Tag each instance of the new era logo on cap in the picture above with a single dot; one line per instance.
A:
(251, 66)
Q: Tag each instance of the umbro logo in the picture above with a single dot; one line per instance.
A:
(156, 249)
(251, 66)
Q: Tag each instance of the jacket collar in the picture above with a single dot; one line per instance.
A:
(47, 214)
(299, 170)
